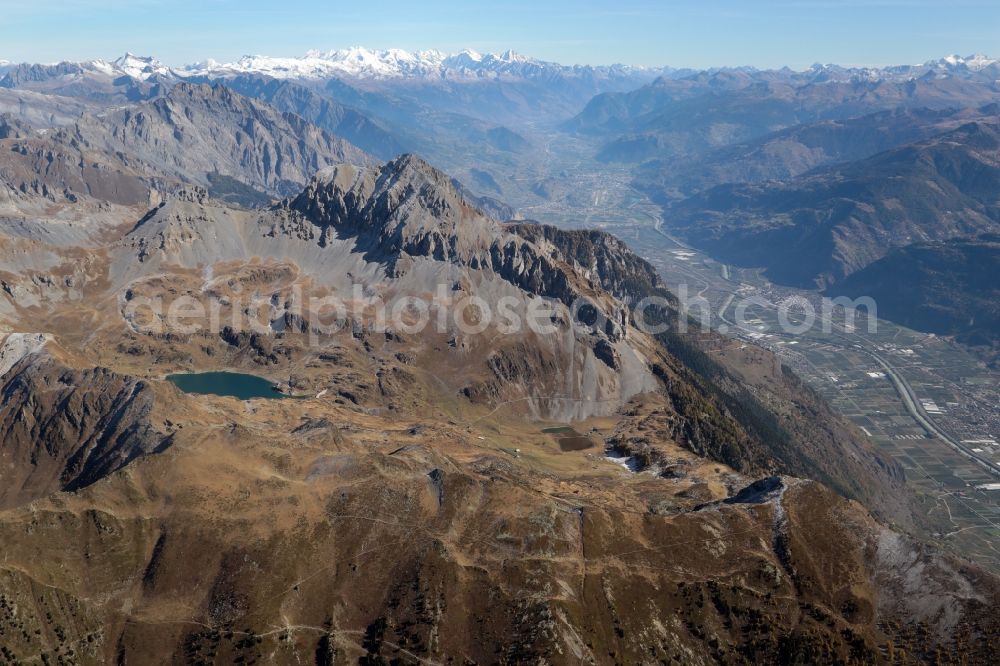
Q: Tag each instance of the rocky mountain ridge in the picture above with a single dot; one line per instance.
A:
(197, 130)
(236, 147)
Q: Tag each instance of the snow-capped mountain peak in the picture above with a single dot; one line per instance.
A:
(140, 67)
(137, 67)
(511, 56)
(974, 62)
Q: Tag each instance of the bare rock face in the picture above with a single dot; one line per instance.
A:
(407, 208)
(320, 110)
(84, 81)
(404, 206)
(198, 130)
(241, 150)
(601, 257)
(42, 111)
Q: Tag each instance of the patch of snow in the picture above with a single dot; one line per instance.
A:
(631, 463)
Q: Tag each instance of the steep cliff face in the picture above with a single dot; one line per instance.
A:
(321, 111)
(600, 256)
(241, 150)
(64, 429)
(405, 206)
(13, 127)
(408, 209)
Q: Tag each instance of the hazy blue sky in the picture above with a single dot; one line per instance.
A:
(694, 33)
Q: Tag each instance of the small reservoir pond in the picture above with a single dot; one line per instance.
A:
(569, 439)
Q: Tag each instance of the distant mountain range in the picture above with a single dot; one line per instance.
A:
(356, 62)
(816, 175)
(695, 113)
(360, 62)
(387, 102)
(796, 150)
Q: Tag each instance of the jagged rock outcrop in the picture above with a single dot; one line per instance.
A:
(408, 209)
(405, 206)
(601, 257)
(241, 150)
(12, 127)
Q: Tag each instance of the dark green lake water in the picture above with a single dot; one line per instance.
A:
(231, 384)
